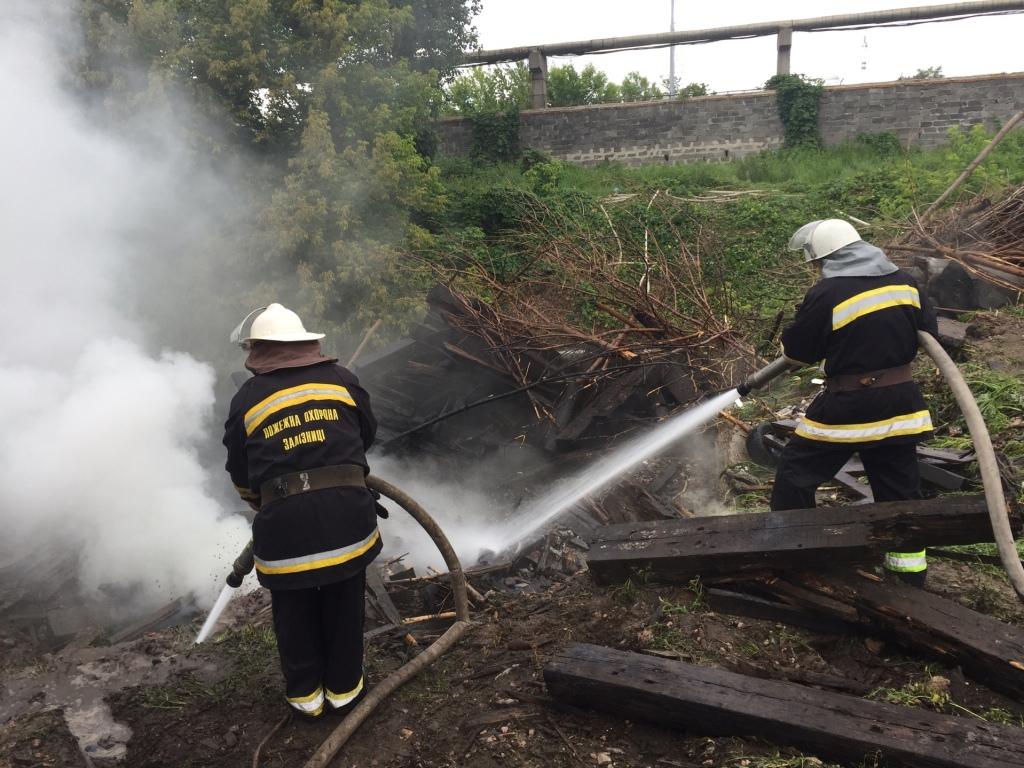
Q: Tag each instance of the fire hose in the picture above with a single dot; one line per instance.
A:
(333, 744)
(986, 455)
(990, 478)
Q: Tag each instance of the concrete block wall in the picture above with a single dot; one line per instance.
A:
(919, 112)
(717, 128)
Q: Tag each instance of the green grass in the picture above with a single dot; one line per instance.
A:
(251, 653)
(1000, 398)
(741, 242)
(695, 605)
(629, 591)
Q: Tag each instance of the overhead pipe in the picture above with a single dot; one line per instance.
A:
(760, 29)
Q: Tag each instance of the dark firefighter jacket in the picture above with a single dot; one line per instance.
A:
(859, 325)
(295, 419)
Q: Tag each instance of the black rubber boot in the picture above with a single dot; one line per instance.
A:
(917, 579)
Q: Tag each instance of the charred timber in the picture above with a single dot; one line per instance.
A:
(831, 725)
(988, 650)
(800, 540)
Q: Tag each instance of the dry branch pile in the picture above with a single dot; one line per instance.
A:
(985, 237)
(599, 298)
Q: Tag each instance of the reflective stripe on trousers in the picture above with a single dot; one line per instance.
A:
(339, 700)
(907, 424)
(313, 704)
(906, 562)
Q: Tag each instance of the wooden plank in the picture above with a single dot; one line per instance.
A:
(830, 725)
(943, 478)
(852, 484)
(736, 603)
(944, 456)
(375, 584)
(989, 651)
(678, 550)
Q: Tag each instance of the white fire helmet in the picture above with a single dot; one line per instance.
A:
(273, 323)
(820, 238)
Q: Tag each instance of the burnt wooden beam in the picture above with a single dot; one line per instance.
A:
(678, 550)
(831, 725)
(988, 650)
(943, 478)
(736, 603)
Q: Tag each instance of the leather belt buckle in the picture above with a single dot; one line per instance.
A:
(281, 487)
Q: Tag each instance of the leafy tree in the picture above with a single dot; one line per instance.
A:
(331, 93)
(925, 73)
(636, 87)
(440, 31)
(684, 91)
(693, 89)
(497, 89)
(567, 87)
(260, 65)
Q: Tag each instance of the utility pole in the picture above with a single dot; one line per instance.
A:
(672, 55)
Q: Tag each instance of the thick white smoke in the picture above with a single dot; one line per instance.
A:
(469, 518)
(100, 434)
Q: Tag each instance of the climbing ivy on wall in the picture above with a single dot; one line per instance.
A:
(496, 135)
(799, 101)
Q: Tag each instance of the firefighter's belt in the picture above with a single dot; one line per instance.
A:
(338, 476)
(850, 382)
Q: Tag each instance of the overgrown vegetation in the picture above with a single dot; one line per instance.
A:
(323, 107)
(798, 99)
(331, 107)
(735, 216)
(507, 87)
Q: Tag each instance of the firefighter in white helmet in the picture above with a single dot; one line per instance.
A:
(296, 436)
(862, 319)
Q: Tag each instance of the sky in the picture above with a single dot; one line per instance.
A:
(967, 47)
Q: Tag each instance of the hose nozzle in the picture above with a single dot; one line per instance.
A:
(243, 564)
(759, 378)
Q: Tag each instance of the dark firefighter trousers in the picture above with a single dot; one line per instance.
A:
(320, 640)
(891, 469)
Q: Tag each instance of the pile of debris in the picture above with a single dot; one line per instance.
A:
(555, 388)
(784, 567)
(970, 256)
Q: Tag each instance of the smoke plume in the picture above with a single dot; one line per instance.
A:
(100, 445)
(470, 518)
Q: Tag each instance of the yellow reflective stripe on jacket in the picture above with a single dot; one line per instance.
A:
(313, 704)
(871, 301)
(906, 562)
(320, 559)
(339, 700)
(908, 424)
(286, 398)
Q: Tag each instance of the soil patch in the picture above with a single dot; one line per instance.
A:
(484, 703)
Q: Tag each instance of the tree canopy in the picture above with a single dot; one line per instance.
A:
(330, 100)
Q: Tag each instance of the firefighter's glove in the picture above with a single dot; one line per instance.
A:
(379, 508)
